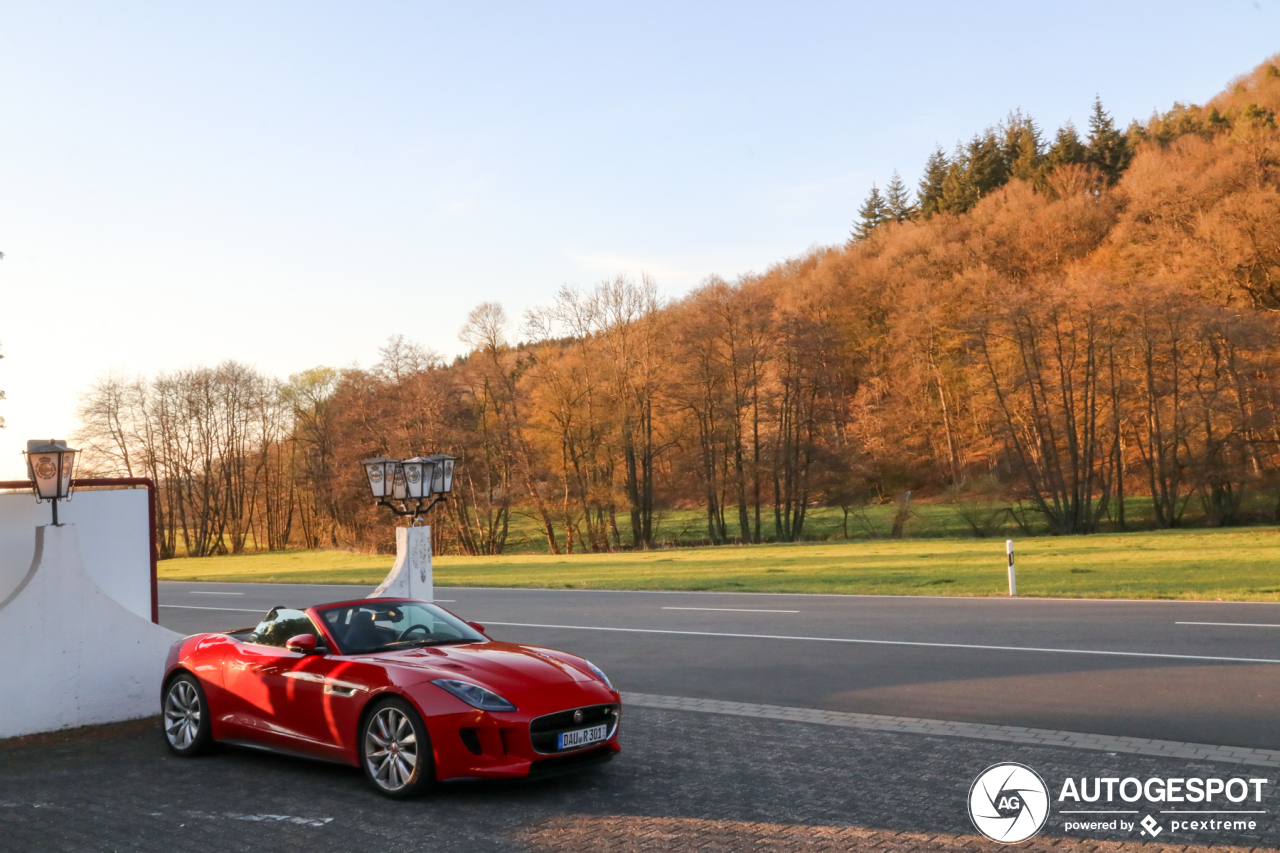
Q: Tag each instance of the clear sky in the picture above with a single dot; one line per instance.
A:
(289, 183)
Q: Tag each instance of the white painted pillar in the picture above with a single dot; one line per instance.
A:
(410, 576)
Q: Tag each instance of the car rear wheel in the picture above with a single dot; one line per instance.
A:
(185, 715)
(395, 750)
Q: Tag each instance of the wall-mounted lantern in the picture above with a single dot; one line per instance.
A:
(50, 465)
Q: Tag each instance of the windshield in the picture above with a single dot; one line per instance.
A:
(375, 626)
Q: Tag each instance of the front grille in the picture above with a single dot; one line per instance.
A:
(544, 731)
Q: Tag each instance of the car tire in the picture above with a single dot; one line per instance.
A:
(184, 716)
(395, 749)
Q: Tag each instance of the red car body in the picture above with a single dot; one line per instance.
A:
(312, 704)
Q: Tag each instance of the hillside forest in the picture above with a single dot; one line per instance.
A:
(1049, 324)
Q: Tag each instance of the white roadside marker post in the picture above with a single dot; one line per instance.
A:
(1013, 578)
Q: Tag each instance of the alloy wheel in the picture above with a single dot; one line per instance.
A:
(182, 714)
(390, 748)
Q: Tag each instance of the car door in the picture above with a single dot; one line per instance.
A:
(274, 692)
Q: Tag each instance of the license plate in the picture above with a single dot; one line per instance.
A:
(582, 737)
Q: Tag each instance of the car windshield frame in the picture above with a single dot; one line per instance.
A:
(373, 626)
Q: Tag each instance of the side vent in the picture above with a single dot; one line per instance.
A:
(470, 740)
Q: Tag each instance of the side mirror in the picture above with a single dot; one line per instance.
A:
(305, 644)
(477, 626)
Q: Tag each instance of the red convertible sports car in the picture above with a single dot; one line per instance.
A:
(402, 688)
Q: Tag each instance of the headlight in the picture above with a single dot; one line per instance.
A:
(474, 695)
(600, 674)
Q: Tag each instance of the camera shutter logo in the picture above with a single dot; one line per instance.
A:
(1009, 803)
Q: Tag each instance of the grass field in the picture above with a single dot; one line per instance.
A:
(1231, 564)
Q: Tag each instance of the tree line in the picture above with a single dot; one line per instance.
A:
(1057, 327)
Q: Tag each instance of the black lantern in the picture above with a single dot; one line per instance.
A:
(420, 479)
(442, 482)
(398, 490)
(381, 472)
(418, 474)
(49, 465)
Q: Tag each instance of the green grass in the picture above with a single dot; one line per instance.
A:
(1231, 564)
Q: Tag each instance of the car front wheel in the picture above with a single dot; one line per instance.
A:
(185, 715)
(395, 750)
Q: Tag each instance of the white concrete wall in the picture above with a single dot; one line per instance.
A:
(70, 655)
(115, 541)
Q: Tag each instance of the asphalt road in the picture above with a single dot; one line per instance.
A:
(1206, 672)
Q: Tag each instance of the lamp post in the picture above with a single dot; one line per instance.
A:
(49, 465)
(420, 480)
(410, 487)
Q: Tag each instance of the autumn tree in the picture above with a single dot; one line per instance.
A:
(494, 371)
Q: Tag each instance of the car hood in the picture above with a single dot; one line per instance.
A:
(505, 668)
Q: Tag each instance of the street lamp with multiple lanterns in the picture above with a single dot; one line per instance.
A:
(49, 465)
(420, 479)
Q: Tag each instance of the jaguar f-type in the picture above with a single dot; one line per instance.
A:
(403, 689)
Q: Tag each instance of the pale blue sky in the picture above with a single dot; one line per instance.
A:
(287, 184)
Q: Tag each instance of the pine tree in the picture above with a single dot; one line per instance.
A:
(988, 170)
(1066, 148)
(873, 213)
(896, 199)
(976, 169)
(1023, 148)
(958, 192)
(1108, 150)
(930, 194)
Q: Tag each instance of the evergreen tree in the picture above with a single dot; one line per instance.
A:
(930, 194)
(1066, 148)
(1023, 148)
(873, 213)
(977, 169)
(958, 192)
(896, 199)
(1217, 121)
(988, 169)
(1254, 116)
(1108, 150)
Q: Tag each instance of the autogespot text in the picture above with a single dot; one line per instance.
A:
(1222, 805)
(1193, 789)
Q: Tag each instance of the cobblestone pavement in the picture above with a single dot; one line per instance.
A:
(1013, 734)
(685, 781)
